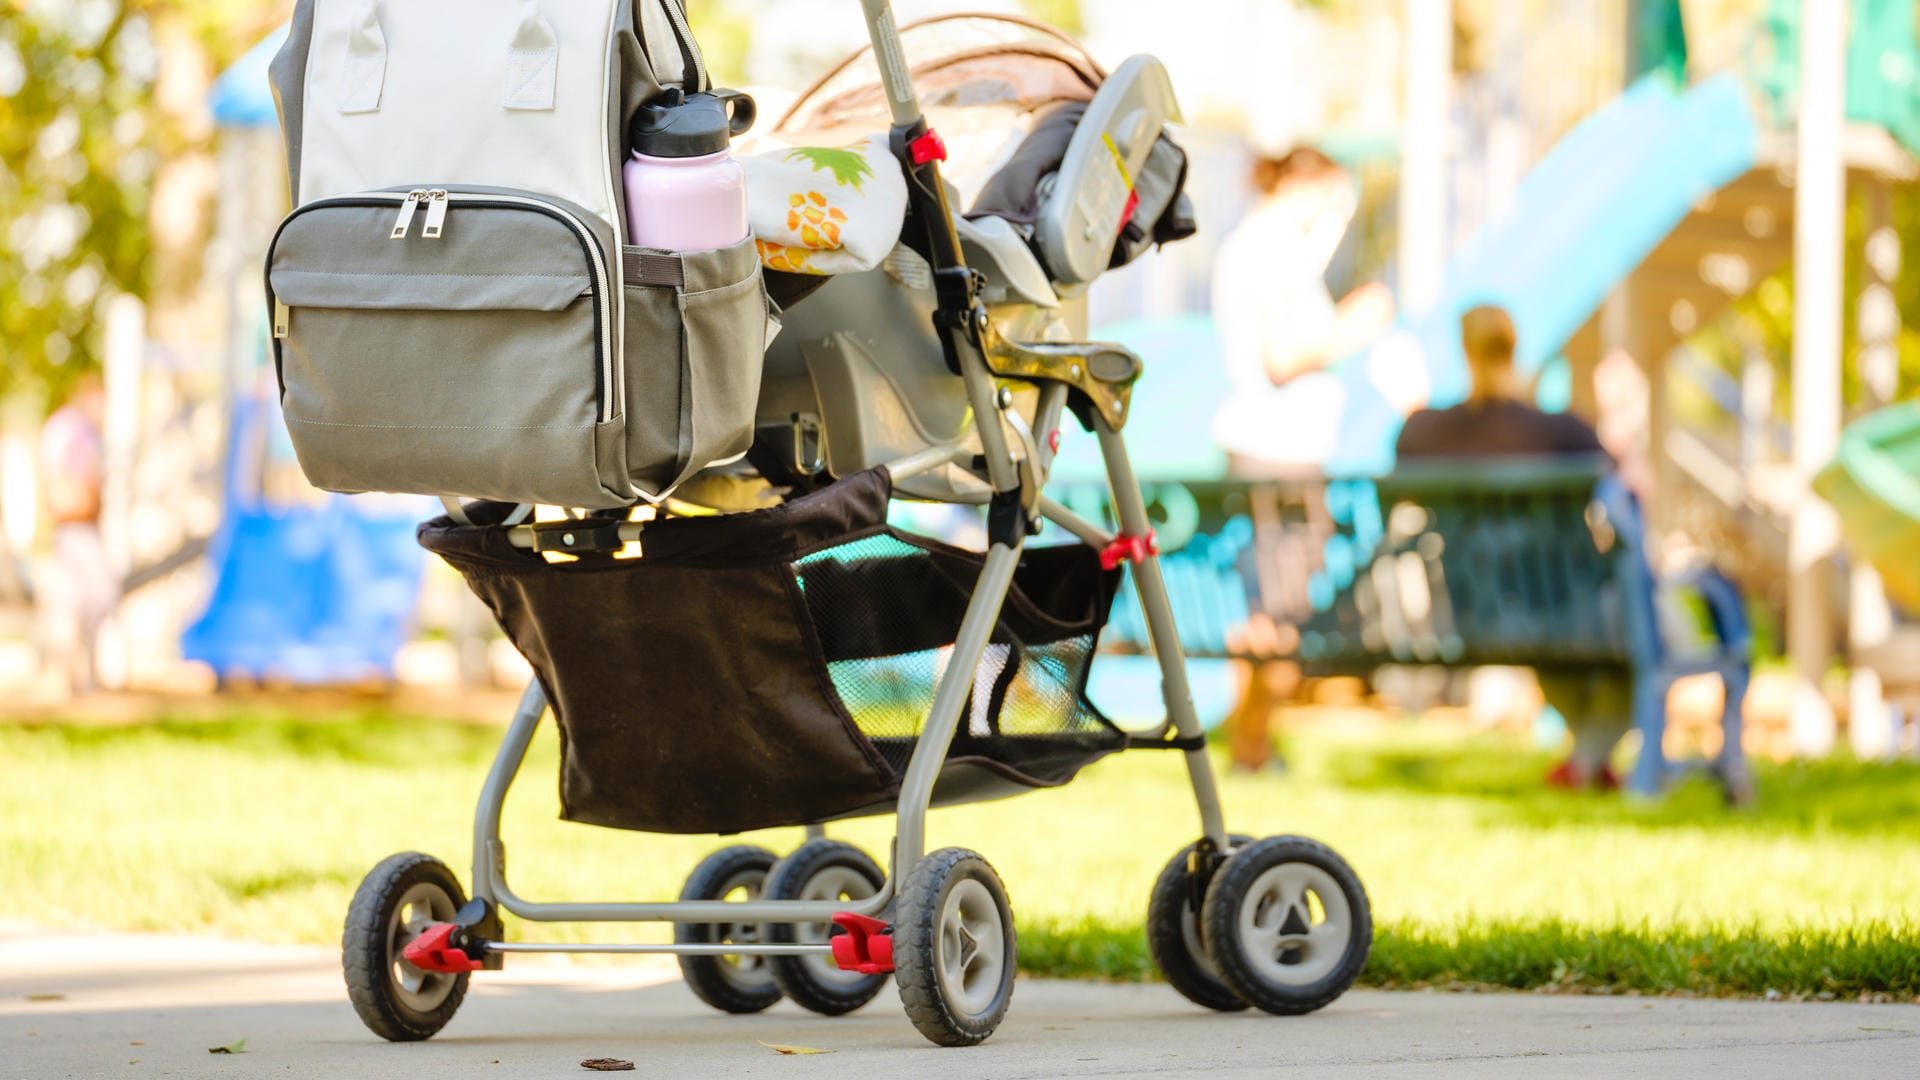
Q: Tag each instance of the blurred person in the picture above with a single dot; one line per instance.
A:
(83, 590)
(1279, 324)
(1279, 328)
(1498, 420)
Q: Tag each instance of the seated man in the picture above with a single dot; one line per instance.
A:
(1494, 421)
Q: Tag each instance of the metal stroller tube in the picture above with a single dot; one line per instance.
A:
(902, 100)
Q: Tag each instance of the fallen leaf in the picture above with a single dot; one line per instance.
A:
(237, 1046)
(46, 997)
(607, 1065)
(778, 1049)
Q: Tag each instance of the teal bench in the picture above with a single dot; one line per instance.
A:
(1533, 563)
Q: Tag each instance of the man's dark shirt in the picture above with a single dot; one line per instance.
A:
(1494, 429)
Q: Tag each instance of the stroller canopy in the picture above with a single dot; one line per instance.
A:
(983, 82)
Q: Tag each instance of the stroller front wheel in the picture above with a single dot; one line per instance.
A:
(821, 870)
(1287, 924)
(398, 900)
(735, 984)
(954, 948)
(1174, 939)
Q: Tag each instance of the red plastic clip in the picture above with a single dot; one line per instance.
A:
(1053, 440)
(866, 947)
(1128, 549)
(434, 951)
(928, 147)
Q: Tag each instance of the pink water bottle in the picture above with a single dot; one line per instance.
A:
(684, 190)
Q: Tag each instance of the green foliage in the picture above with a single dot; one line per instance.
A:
(76, 163)
(82, 137)
(849, 167)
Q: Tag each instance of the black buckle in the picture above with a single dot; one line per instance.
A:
(574, 537)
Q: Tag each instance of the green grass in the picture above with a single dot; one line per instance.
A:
(259, 826)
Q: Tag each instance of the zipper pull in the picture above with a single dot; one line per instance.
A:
(405, 221)
(436, 214)
(282, 315)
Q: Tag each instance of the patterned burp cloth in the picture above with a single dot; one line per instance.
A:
(825, 210)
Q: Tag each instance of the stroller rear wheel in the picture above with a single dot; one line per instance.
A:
(735, 984)
(396, 902)
(821, 870)
(953, 944)
(1174, 939)
(1287, 924)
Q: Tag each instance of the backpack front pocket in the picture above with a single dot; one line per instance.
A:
(450, 343)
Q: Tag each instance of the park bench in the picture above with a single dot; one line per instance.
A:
(1532, 563)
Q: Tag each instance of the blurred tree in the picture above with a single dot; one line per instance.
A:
(1765, 315)
(104, 164)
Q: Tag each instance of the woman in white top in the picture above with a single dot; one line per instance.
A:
(1278, 323)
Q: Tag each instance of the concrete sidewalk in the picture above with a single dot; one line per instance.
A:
(133, 1005)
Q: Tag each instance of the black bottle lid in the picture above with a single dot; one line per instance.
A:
(680, 125)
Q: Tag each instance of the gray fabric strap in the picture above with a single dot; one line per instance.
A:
(652, 268)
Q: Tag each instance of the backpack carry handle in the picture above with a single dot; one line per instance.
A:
(533, 62)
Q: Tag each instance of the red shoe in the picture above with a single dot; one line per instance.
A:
(1606, 779)
(1564, 775)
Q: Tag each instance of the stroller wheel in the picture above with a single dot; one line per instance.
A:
(953, 947)
(394, 904)
(1287, 924)
(821, 870)
(1173, 937)
(735, 984)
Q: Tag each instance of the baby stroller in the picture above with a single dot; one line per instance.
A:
(843, 667)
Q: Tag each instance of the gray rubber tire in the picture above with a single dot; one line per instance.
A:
(375, 934)
(1264, 936)
(737, 986)
(954, 996)
(1175, 942)
(813, 982)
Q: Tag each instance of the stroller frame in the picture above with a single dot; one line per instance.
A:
(1215, 926)
(977, 352)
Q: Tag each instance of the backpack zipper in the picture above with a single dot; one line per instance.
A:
(606, 374)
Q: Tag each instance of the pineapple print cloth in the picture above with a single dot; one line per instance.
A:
(825, 209)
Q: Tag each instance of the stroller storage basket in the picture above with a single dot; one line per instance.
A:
(775, 667)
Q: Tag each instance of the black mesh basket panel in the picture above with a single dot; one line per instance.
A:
(775, 667)
(887, 608)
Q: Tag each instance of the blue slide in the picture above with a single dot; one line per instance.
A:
(310, 594)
